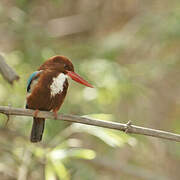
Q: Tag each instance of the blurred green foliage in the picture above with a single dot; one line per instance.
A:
(129, 50)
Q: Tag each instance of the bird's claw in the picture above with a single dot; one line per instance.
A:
(36, 113)
(55, 114)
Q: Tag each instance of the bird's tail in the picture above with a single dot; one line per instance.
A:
(37, 129)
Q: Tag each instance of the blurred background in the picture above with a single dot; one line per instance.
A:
(129, 50)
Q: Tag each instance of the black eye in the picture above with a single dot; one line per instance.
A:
(66, 66)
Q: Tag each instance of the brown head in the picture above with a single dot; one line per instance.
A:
(58, 63)
(62, 64)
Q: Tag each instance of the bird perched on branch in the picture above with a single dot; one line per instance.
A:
(47, 88)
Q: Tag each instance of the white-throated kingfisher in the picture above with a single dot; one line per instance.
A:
(47, 88)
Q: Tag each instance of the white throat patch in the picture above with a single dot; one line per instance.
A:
(57, 85)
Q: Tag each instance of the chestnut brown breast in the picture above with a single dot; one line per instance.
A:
(41, 96)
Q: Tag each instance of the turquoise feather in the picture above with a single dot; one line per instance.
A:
(32, 76)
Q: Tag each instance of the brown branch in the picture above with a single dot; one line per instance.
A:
(7, 72)
(128, 128)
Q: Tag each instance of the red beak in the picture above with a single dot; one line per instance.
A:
(78, 78)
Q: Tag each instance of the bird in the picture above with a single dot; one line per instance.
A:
(47, 88)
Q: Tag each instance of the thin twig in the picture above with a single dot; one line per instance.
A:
(7, 72)
(95, 122)
(7, 121)
(8, 118)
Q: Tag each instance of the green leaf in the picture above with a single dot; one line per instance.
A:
(110, 137)
(82, 153)
(49, 172)
(39, 152)
(61, 170)
(60, 154)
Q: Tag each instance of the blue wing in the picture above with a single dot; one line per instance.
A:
(31, 78)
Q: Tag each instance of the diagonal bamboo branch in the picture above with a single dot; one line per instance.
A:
(7, 72)
(83, 120)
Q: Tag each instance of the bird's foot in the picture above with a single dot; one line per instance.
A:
(36, 113)
(55, 114)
